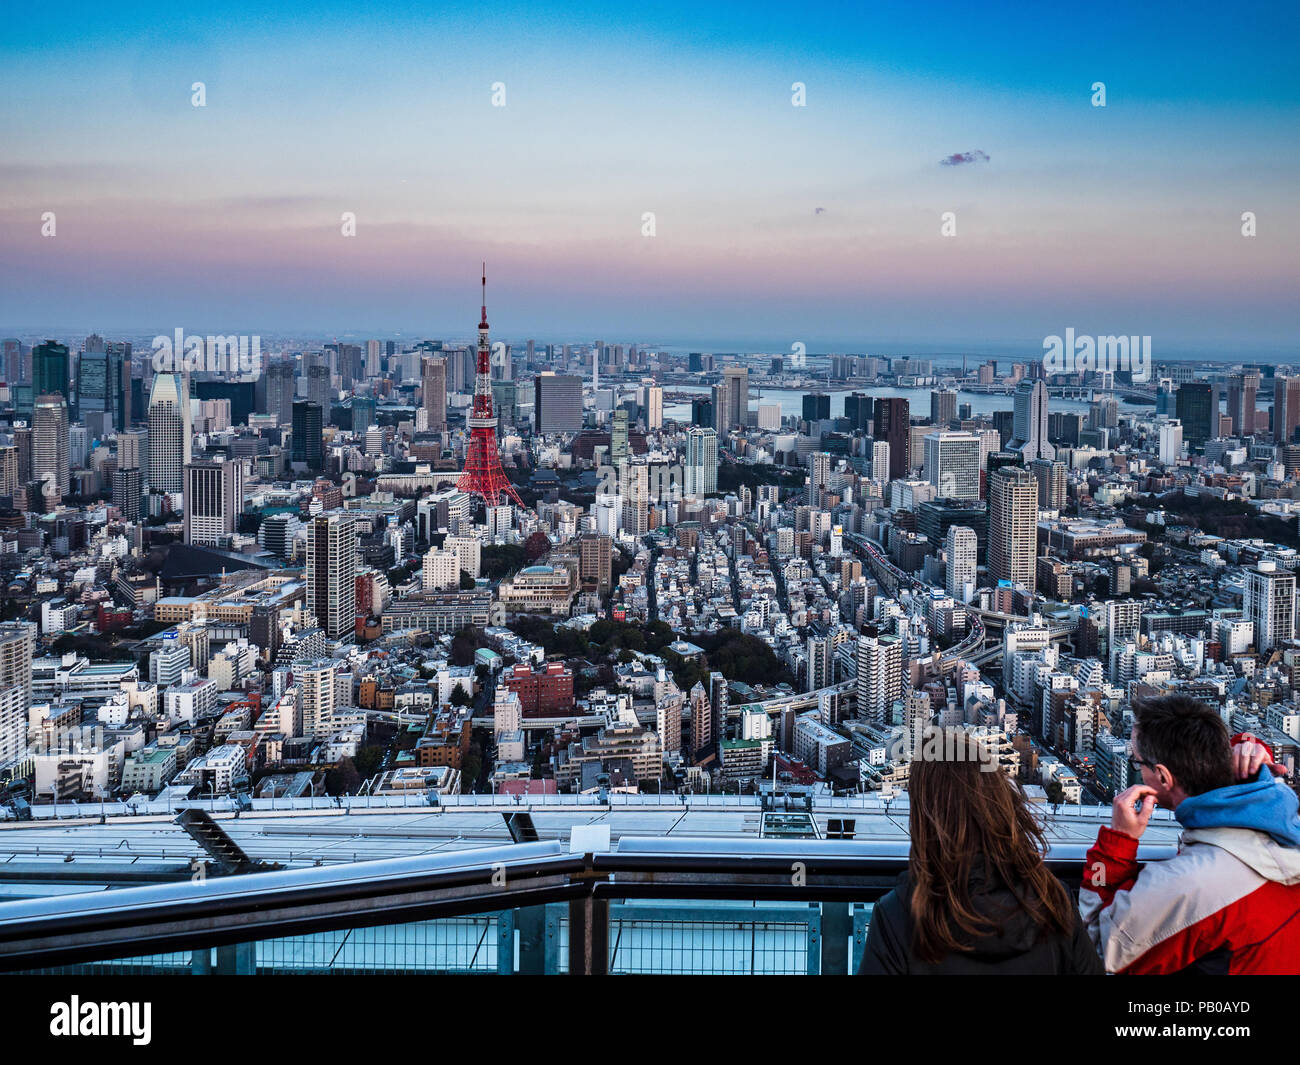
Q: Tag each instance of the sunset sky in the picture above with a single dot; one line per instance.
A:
(1123, 219)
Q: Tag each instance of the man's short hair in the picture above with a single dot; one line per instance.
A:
(1188, 738)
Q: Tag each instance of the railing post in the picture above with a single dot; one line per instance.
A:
(531, 923)
(505, 943)
(837, 927)
(589, 936)
(237, 959)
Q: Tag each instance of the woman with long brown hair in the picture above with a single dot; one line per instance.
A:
(976, 897)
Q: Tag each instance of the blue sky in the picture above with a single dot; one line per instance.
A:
(1117, 219)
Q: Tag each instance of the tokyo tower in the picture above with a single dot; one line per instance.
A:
(483, 474)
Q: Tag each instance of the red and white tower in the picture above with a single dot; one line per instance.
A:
(483, 474)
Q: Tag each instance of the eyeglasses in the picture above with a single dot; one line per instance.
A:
(1139, 761)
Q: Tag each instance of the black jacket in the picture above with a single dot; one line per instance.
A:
(1019, 947)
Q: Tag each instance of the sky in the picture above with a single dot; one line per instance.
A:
(773, 223)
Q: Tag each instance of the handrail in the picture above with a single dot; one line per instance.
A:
(160, 918)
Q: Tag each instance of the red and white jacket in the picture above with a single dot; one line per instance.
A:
(1229, 902)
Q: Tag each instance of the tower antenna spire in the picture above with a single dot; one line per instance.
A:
(483, 475)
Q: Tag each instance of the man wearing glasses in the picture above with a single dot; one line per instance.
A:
(1230, 901)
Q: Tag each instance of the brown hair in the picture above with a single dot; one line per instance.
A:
(963, 809)
(1187, 737)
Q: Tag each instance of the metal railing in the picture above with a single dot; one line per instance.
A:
(647, 905)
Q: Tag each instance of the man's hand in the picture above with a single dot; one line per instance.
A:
(1249, 755)
(1123, 815)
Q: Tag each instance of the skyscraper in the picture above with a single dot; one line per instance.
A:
(879, 452)
(102, 386)
(50, 446)
(961, 546)
(1242, 391)
(557, 402)
(952, 464)
(1030, 427)
(433, 377)
(307, 446)
(318, 382)
(893, 424)
(1286, 409)
(880, 676)
(1051, 483)
(1269, 602)
(214, 499)
(331, 571)
(1013, 525)
(1197, 410)
(618, 437)
(943, 407)
(170, 437)
(1171, 441)
(816, 407)
(653, 403)
(276, 391)
(16, 643)
(736, 381)
(702, 412)
(819, 477)
(857, 409)
(50, 370)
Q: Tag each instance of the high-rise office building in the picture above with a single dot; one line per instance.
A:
(1030, 429)
(700, 477)
(433, 376)
(103, 387)
(1270, 603)
(276, 390)
(961, 546)
(16, 644)
(618, 437)
(943, 407)
(307, 446)
(8, 470)
(893, 424)
(1170, 436)
(816, 407)
(653, 406)
(735, 381)
(596, 560)
(952, 464)
(1197, 411)
(170, 437)
(50, 446)
(50, 370)
(214, 500)
(819, 477)
(857, 409)
(319, 390)
(1286, 409)
(557, 402)
(1013, 525)
(702, 412)
(1050, 476)
(879, 452)
(1242, 391)
(635, 490)
(331, 570)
